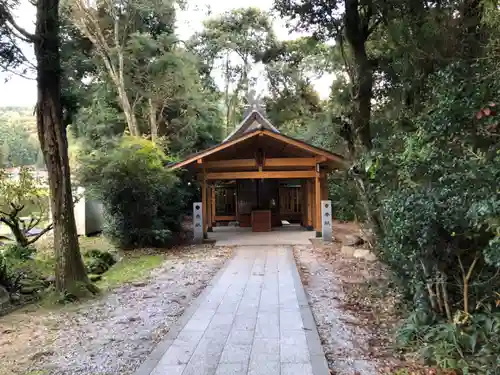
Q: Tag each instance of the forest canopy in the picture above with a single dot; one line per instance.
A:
(413, 106)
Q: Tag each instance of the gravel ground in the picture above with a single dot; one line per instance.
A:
(344, 341)
(111, 335)
(354, 323)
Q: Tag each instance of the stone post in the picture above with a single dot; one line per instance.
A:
(326, 220)
(198, 222)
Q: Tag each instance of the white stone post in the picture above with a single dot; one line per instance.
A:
(198, 222)
(327, 221)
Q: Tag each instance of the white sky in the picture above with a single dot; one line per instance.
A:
(17, 91)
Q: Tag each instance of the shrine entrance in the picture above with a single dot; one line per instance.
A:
(261, 179)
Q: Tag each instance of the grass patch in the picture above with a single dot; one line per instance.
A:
(130, 269)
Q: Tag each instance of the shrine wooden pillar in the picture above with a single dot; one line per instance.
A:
(317, 203)
(310, 205)
(303, 203)
(212, 206)
(209, 208)
(204, 203)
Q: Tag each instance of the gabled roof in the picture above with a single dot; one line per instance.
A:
(248, 125)
(331, 157)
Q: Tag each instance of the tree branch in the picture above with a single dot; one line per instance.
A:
(29, 37)
(34, 239)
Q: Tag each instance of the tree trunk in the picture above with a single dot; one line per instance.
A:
(70, 270)
(153, 122)
(363, 96)
(357, 33)
(226, 97)
(16, 230)
(128, 111)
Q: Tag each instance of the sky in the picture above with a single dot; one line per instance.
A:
(18, 91)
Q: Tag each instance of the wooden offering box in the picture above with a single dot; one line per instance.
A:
(261, 221)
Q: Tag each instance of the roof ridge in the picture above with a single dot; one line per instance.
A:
(247, 121)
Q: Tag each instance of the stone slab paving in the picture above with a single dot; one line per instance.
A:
(253, 320)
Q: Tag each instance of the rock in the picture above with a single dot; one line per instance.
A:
(4, 297)
(116, 254)
(40, 355)
(347, 250)
(364, 254)
(353, 240)
(95, 278)
(28, 289)
(367, 235)
(30, 283)
(139, 284)
(371, 257)
(50, 279)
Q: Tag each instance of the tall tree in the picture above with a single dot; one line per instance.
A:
(109, 36)
(232, 42)
(70, 270)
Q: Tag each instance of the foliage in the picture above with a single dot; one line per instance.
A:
(419, 123)
(440, 219)
(472, 346)
(97, 261)
(18, 142)
(8, 279)
(143, 201)
(230, 44)
(342, 193)
(24, 204)
(19, 252)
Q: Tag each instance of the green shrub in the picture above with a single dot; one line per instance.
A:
(9, 279)
(473, 346)
(17, 251)
(344, 197)
(440, 207)
(97, 262)
(143, 202)
(105, 256)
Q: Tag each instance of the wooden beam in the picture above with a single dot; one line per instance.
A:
(268, 162)
(235, 163)
(290, 162)
(259, 175)
(225, 218)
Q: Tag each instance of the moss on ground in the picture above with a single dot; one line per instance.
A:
(131, 268)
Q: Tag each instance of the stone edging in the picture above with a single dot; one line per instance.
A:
(154, 357)
(318, 359)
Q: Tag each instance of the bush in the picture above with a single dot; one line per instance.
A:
(17, 251)
(343, 194)
(472, 346)
(440, 210)
(97, 262)
(9, 279)
(143, 202)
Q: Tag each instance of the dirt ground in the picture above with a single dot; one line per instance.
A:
(355, 310)
(97, 337)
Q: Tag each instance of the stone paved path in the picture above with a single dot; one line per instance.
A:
(255, 320)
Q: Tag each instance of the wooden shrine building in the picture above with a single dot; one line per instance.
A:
(259, 178)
